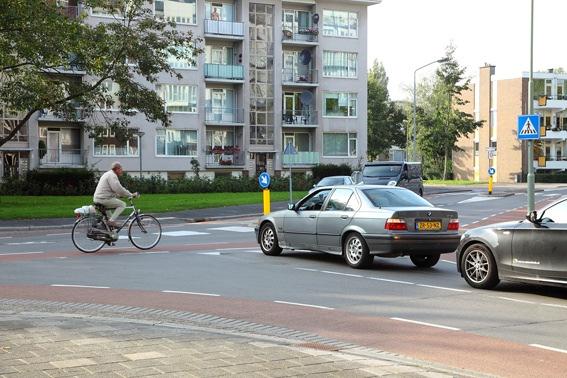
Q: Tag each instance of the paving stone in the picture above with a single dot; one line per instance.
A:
(62, 364)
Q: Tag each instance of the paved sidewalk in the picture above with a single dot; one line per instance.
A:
(34, 343)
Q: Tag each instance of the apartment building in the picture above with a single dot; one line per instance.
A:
(499, 102)
(273, 73)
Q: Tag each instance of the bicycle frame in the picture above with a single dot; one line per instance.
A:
(133, 215)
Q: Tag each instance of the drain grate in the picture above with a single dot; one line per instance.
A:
(318, 346)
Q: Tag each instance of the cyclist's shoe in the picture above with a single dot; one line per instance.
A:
(114, 224)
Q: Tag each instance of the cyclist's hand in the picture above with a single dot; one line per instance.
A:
(135, 195)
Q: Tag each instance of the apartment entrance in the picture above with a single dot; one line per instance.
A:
(264, 162)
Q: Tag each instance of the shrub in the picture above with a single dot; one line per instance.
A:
(324, 170)
(560, 177)
(62, 181)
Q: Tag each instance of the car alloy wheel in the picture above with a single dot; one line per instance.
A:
(479, 267)
(356, 251)
(269, 240)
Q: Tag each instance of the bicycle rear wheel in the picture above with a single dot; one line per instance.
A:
(80, 239)
(144, 232)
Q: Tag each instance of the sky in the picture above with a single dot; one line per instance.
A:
(407, 34)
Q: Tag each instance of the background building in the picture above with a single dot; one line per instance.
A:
(499, 103)
(272, 73)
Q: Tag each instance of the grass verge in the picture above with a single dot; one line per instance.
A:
(35, 207)
(453, 182)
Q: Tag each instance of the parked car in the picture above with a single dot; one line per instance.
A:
(395, 173)
(360, 222)
(333, 180)
(531, 250)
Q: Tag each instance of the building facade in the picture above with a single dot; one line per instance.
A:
(499, 103)
(273, 73)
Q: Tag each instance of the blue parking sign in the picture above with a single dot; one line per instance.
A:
(264, 180)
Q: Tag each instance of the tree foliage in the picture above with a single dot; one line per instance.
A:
(385, 118)
(441, 120)
(41, 42)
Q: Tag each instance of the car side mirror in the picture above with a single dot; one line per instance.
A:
(403, 175)
(291, 206)
(532, 217)
(314, 185)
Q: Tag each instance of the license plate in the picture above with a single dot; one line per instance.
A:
(428, 226)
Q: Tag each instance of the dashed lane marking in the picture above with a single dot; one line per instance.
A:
(342, 274)
(516, 300)
(304, 305)
(444, 288)
(234, 229)
(478, 199)
(427, 324)
(81, 286)
(20, 253)
(184, 233)
(60, 234)
(30, 242)
(549, 348)
(190, 293)
(388, 280)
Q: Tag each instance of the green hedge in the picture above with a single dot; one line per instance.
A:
(325, 170)
(62, 181)
(551, 177)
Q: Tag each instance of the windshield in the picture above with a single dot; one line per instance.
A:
(389, 170)
(386, 197)
(328, 181)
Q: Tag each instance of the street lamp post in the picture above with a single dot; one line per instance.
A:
(531, 178)
(414, 141)
(140, 134)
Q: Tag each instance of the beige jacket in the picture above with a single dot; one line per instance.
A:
(109, 187)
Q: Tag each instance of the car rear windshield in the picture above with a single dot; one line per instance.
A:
(328, 181)
(386, 197)
(385, 170)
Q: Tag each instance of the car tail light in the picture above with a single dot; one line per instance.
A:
(394, 224)
(453, 225)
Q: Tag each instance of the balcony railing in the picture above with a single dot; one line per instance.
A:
(301, 158)
(62, 157)
(49, 115)
(215, 114)
(222, 28)
(219, 157)
(296, 76)
(299, 118)
(310, 35)
(549, 97)
(224, 71)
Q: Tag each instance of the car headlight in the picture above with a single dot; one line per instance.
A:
(392, 183)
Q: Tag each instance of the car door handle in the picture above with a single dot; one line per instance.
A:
(344, 216)
(313, 216)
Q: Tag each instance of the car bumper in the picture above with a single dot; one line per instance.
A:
(415, 244)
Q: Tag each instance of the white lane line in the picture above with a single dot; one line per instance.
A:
(445, 288)
(61, 234)
(82, 286)
(184, 233)
(19, 253)
(387, 280)
(554, 305)
(209, 253)
(165, 218)
(549, 348)
(304, 305)
(516, 300)
(231, 249)
(342, 274)
(197, 244)
(233, 229)
(5, 237)
(426, 324)
(308, 270)
(30, 242)
(190, 292)
(156, 252)
(450, 262)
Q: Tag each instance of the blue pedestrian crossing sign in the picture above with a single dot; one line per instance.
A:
(264, 180)
(528, 127)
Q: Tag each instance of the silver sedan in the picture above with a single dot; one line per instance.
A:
(360, 222)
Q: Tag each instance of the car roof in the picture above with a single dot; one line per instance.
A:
(334, 177)
(391, 163)
(368, 186)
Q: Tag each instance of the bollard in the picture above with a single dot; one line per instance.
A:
(490, 184)
(266, 198)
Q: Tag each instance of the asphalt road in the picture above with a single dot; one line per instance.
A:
(217, 267)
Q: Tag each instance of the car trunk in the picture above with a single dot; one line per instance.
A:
(425, 219)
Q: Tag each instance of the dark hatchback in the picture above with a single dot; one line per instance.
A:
(531, 250)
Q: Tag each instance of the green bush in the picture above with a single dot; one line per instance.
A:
(324, 170)
(62, 181)
(560, 177)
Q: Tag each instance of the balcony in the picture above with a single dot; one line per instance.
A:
(69, 11)
(301, 158)
(55, 157)
(300, 77)
(220, 116)
(302, 36)
(224, 157)
(224, 73)
(224, 29)
(299, 118)
(50, 116)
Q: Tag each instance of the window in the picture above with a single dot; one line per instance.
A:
(178, 98)
(180, 11)
(339, 144)
(476, 148)
(339, 104)
(115, 8)
(176, 142)
(315, 201)
(219, 11)
(339, 200)
(181, 64)
(557, 213)
(111, 90)
(340, 24)
(339, 64)
(109, 145)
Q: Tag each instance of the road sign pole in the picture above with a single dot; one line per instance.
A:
(290, 184)
(531, 179)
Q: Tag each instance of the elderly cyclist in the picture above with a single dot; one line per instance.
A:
(109, 189)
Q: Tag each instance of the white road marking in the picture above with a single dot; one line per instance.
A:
(307, 269)
(234, 229)
(125, 237)
(156, 252)
(20, 253)
(445, 288)
(231, 249)
(197, 244)
(304, 305)
(426, 324)
(342, 274)
(477, 199)
(82, 286)
(549, 348)
(190, 292)
(183, 233)
(450, 262)
(61, 234)
(165, 218)
(552, 195)
(210, 253)
(387, 280)
(516, 300)
(30, 242)
(5, 237)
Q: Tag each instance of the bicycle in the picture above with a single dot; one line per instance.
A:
(91, 230)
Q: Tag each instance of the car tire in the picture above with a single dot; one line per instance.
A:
(356, 252)
(479, 267)
(425, 261)
(269, 240)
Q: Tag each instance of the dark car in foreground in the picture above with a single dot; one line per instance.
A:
(533, 250)
(360, 222)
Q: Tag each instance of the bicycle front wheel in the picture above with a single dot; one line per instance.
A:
(80, 239)
(144, 232)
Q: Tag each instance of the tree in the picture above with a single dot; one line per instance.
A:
(385, 118)
(442, 121)
(40, 41)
